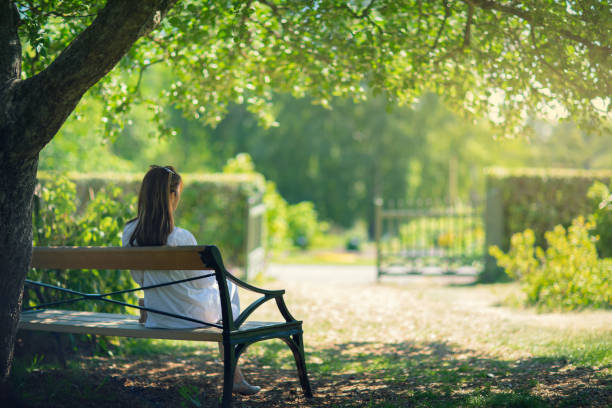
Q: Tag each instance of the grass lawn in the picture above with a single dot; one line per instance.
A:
(415, 342)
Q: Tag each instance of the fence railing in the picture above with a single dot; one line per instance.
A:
(429, 238)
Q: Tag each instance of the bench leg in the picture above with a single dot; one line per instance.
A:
(60, 350)
(229, 367)
(296, 344)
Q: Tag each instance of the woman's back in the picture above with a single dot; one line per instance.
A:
(198, 299)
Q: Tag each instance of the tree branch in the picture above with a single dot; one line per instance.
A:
(364, 13)
(468, 26)
(447, 13)
(50, 96)
(420, 6)
(56, 11)
(141, 70)
(526, 16)
(10, 46)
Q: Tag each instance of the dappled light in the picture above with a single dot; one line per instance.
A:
(402, 343)
(347, 374)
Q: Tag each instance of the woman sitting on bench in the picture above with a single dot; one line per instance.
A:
(159, 196)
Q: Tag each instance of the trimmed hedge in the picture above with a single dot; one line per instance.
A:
(213, 206)
(538, 199)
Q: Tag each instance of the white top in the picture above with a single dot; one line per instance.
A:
(198, 299)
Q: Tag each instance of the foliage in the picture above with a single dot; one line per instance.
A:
(400, 153)
(242, 163)
(303, 224)
(369, 148)
(566, 275)
(57, 223)
(276, 218)
(601, 198)
(497, 60)
(539, 199)
(296, 223)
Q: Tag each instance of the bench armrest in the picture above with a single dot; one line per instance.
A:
(252, 288)
(211, 256)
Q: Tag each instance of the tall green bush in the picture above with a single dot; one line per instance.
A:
(277, 228)
(303, 224)
(567, 275)
(601, 201)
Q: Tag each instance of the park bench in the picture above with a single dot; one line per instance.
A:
(234, 333)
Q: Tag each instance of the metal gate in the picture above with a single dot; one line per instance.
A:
(429, 239)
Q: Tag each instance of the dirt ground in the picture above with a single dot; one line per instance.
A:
(412, 342)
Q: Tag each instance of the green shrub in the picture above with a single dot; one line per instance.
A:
(567, 275)
(303, 223)
(290, 224)
(601, 201)
(286, 224)
(241, 164)
(277, 229)
(57, 223)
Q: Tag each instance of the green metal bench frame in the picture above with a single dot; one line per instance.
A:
(234, 334)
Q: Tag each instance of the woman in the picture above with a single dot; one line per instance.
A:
(159, 196)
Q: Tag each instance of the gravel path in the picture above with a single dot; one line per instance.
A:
(353, 274)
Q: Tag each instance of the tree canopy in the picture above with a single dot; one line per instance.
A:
(505, 60)
(502, 59)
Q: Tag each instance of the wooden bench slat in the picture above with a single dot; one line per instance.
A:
(110, 324)
(137, 258)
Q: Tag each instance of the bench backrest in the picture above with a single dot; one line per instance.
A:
(153, 258)
(207, 257)
(139, 258)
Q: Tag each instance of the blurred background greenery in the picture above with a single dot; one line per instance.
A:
(320, 168)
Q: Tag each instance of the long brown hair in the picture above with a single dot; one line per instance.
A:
(155, 220)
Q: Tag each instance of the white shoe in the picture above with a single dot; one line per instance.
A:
(245, 388)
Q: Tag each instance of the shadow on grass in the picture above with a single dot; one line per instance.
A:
(354, 374)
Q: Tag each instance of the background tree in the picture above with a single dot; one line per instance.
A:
(412, 151)
(336, 158)
(531, 53)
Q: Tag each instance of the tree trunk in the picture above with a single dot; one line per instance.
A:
(16, 187)
(17, 182)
